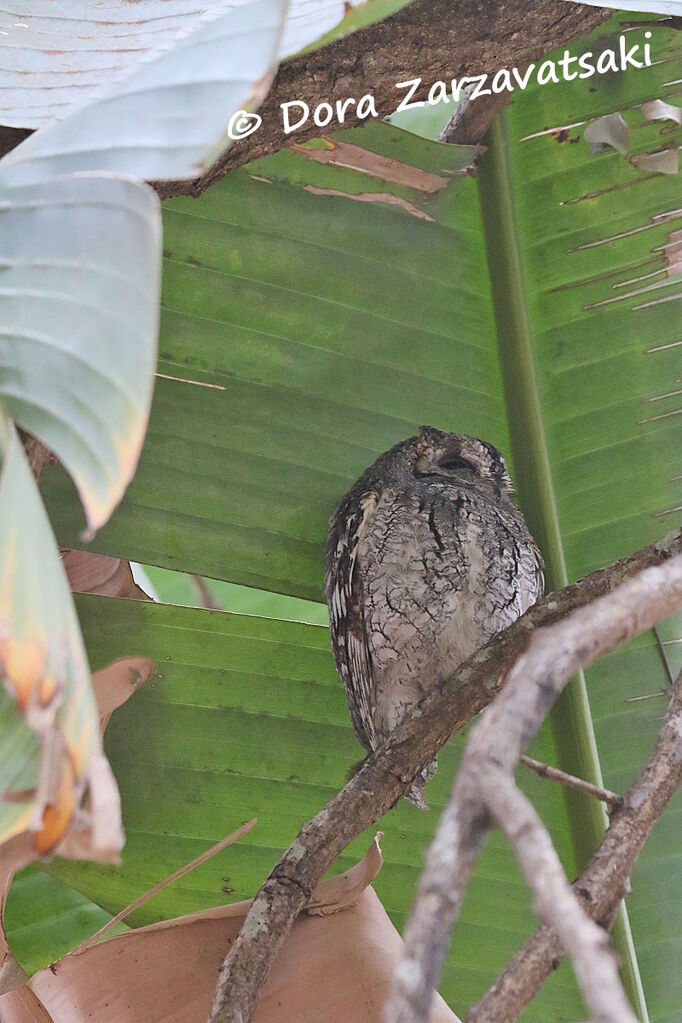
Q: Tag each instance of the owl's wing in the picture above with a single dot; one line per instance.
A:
(539, 572)
(343, 590)
(531, 575)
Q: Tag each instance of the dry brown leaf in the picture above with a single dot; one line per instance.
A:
(336, 968)
(97, 573)
(665, 161)
(345, 154)
(23, 1006)
(117, 682)
(344, 890)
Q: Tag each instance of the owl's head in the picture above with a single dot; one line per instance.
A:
(456, 458)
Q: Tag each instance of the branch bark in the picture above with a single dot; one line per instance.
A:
(387, 775)
(37, 454)
(433, 40)
(471, 120)
(606, 879)
(554, 655)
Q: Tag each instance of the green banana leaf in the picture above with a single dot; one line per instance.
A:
(245, 717)
(178, 588)
(65, 918)
(319, 305)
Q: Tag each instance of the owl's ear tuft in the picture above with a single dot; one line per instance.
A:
(425, 438)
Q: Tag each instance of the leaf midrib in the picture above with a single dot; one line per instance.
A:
(571, 717)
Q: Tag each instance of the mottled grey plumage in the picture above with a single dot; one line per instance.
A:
(426, 558)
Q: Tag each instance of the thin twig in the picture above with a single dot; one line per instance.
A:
(204, 594)
(605, 880)
(155, 889)
(554, 655)
(664, 655)
(571, 782)
(387, 775)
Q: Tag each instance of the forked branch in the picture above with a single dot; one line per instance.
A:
(388, 774)
(605, 880)
(485, 793)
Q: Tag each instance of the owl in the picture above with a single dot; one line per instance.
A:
(426, 558)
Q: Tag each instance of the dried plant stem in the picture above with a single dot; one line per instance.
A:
(155, 889)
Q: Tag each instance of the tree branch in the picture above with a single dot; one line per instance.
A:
(555, 653)
(430, 40)
(472, 118)
(605, 880)
(387, 775)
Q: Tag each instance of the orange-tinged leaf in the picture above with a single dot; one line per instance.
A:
(117, 682)
(20, 823)
(57, 815)
(22, 663)
(48, 689)
(50, 745)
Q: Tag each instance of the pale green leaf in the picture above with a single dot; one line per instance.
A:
(75, 52)
(79, 292)
(247, 716)
(168, 118)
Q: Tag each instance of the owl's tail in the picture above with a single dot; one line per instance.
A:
(416, 794)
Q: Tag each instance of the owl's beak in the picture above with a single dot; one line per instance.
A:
(423, 464)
